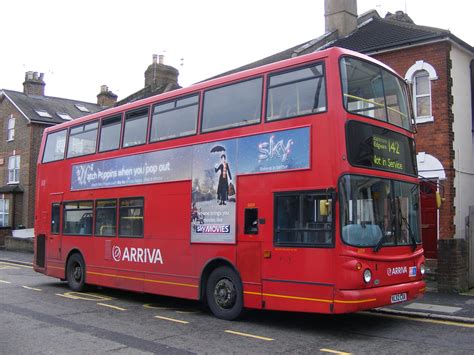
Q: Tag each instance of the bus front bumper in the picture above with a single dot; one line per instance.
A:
(346, 301)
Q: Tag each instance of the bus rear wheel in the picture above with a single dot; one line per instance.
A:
(76, 273)
(224, 293)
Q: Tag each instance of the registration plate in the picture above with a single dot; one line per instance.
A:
(399, 297)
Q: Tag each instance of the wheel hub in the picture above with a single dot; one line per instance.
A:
(225, 293)
(77, 273)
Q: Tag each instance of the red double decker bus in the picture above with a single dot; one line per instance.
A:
(292, 186)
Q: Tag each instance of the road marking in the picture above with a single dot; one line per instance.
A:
(4, 267)
(5, 282)
(66, 296)
(110, 306)
(32, 288)
(15, 265)
(151, 306)
(172, 320)
(84, 296)
(334, 351)
(177, 310)
(425, 320)
(249, 335)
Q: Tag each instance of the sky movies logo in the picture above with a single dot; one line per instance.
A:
(212, 228)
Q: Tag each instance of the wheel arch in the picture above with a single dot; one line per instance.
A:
(210, 266)
(70, 253)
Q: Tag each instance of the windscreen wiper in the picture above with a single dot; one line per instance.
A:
(379, 244)
(412, 236)
(384, 236)
(407, 225)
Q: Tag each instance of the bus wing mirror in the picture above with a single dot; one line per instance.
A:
(324, 206)
(439, 200)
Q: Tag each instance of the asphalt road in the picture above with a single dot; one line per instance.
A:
(40, 315)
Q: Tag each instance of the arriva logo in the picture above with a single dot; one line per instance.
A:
(400, 270)
(137, 255)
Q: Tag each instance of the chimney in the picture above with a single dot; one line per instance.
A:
(34, 84)
(159, 74)
(341, 16)
(106, 98)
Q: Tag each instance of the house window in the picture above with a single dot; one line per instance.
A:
(43, 113)
(422, 94)
(11, 128)
(420, 75)
(82, 108)
(14, 169)
(4, 212)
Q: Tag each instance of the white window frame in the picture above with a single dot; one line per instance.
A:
(4, 212)
(11, 129)
(415, 70)
(14, 169)
(421, 74)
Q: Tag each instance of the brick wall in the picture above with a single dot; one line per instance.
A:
(26, 143)
(35, 145)
(452, 265)
(435, 138)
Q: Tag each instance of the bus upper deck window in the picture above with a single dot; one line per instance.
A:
(295, 93)
(110, 134)
(135, 128)
(55, 146)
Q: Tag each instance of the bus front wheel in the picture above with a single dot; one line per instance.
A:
(224, 293)
(76, 272)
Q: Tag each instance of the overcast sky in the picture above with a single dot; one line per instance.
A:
(80, 45)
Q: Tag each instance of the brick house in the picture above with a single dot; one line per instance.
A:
(440, 68)
(24, 116)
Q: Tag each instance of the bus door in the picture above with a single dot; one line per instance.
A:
(251, 228)
(298, 272)
(52, 223)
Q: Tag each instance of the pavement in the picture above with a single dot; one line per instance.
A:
(433, 305)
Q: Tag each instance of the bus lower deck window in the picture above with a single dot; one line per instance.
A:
(131, 217)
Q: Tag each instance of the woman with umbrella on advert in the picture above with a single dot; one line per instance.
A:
(224, 178)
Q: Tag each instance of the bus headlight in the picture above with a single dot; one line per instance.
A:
(422, 269)
(367, 276)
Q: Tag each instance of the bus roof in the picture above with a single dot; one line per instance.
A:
(333, 51)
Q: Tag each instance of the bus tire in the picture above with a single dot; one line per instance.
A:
(76, 272)
(224, 293)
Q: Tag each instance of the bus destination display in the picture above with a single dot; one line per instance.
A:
(379, 148)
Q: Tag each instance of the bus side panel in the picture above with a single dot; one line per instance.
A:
(168, 264)
(298, 297)
(249, 258)
(203, 254)
(169, 271)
